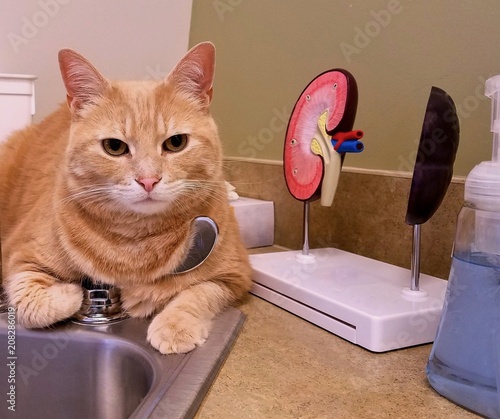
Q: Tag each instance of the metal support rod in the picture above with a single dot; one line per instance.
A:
(415, 259)
(305, 247)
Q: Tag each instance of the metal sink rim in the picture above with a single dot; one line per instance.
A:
(167, 395)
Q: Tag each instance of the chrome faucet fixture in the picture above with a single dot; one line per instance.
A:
(101, 304)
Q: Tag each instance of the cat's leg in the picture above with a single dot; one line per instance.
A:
(40, 299)
(140, 301)
(185, 322)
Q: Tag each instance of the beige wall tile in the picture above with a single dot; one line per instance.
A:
(367, 216)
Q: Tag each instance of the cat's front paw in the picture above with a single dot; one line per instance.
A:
(173, 333)
(39, 306)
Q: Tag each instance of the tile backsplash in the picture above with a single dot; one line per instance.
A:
(367, 216)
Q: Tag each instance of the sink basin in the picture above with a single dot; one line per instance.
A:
(107, 371)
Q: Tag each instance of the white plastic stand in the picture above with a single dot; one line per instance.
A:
(362, 300)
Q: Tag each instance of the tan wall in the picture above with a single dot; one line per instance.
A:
(268, 50)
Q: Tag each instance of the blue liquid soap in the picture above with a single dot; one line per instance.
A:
(464, 364)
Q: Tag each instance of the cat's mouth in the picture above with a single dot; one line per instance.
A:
(149, 200)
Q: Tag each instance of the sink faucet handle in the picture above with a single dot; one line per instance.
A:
(101, 304)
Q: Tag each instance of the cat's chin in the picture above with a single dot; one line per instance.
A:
(149, 206)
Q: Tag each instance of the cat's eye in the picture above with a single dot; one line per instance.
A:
(114, 147)
(175, 143)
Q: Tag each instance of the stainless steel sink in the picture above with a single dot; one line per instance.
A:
(75, 371)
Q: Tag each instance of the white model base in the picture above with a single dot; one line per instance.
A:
(363, 300)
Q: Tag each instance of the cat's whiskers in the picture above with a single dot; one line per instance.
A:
(87, 193)
(212, 190)
(213, 187)
(114, 198)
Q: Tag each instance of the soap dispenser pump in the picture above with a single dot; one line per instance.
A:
(464, 364)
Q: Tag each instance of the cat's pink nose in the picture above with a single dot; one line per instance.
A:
(148, 183)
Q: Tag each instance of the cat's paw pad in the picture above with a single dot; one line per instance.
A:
(178, 333)
(45, 306)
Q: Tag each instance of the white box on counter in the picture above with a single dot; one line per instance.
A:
(256, 220)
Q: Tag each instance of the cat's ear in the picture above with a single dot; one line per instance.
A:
(194, 74)
(84, 84)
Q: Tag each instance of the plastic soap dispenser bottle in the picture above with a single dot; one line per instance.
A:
(464, 364)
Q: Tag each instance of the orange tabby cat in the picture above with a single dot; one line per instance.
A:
(107, 187)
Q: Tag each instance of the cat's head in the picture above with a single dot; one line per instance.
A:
(144, 147)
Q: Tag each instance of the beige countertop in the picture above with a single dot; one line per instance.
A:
(284, 367)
